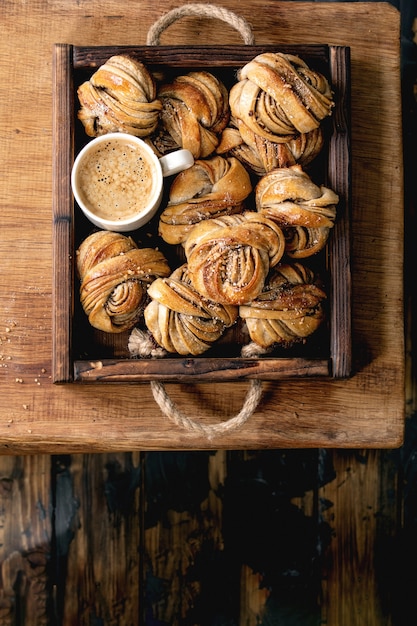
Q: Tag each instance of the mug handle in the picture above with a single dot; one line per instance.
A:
(175, 162)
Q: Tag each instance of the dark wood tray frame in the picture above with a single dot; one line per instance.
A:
(72, 64)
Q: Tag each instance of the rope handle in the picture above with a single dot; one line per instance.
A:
(175, 415)
(254, 393)
(200, 10)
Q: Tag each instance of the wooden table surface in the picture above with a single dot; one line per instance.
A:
(37, 416)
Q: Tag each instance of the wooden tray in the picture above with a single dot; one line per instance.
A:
(80, 353)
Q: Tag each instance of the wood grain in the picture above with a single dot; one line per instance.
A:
(366, 410)
(362, 517)
(99, 522)
(179, 537)
(25, 540)
(63, 239)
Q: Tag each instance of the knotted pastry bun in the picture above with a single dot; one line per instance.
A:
(289, 309)
(209, 188)
(278, 96)
(180, 319)
(260, 155)
(229, 257)
(305, 211)
(119, 97)
(114, 275)
(195, 110)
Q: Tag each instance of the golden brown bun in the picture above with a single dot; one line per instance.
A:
(181, 320)
(195, 111)
(229, 257)
(278, 97)
(114, 275)
(210, 188)
(288, 310)
(260, 155)
(119, 97)
(303, 209)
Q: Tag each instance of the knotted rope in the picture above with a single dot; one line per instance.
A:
(173, 413)
(200, 10)
(253, 396)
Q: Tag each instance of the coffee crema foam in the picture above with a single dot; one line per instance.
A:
(117, 180)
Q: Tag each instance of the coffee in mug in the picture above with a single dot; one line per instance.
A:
(117, 180)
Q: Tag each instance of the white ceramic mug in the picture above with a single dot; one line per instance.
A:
(117, 180)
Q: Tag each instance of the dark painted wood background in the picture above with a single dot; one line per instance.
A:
(274, 537)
